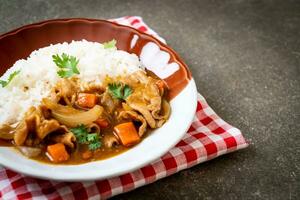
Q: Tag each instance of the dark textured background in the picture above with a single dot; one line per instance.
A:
(245, 58)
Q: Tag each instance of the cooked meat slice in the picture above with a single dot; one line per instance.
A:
(163, 113)
(155, 104)
(147, 89)
(46, 127)
(126, 107)
(140, 76)
(147, 100)
(39, 125)
(110, 140)
(145, 112)
(21, 133)
(66, 89)
(144, 86)
(136, 117)
(160, 122)
(68, 138)
(45, 112)
(6, 132)
(92, 87)
(93, 128)
(24, 127)
(34, 123)
(109, 102)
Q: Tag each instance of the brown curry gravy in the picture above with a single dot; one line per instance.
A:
(92, 30)
(101, 153)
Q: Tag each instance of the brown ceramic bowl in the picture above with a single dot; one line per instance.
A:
(19, 43)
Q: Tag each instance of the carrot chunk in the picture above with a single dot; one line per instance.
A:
(127, 134)
(86, 100)
(58, 152)
(87, 155)
(103, 123)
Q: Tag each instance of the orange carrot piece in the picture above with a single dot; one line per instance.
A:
(58, 152)
(103, 123)
(127, 134)
(86, 100)
(87, 155)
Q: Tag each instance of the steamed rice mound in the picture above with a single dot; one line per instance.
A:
(39, 74)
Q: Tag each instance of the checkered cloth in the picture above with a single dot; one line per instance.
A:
(208, 137)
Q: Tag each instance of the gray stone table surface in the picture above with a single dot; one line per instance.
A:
(245, 58)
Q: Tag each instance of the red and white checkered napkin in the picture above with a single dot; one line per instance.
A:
(208, 137)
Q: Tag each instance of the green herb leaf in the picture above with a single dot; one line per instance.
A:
(110, 44)
(3, 83)
(80, 133)
(118, 91)
(115, 90)
(10, 78)
(93, 139)
(84, 137)
(127, 91)
(67, 65)
(94, 146)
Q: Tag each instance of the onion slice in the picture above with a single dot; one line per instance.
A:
(71, 117)
(29, 152)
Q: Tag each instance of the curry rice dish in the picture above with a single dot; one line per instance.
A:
(77, 102)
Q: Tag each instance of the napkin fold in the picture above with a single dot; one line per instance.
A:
(208, 137)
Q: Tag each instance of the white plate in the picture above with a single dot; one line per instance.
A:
(150, 149)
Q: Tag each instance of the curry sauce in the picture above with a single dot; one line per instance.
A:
(83, 122)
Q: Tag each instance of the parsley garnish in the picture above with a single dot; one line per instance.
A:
(84, 137)
(10, 78)
(94, 142)
(109, 45)
(118, 91)
(80, 133)
(127, 91)
(115, 90)
(67, 65)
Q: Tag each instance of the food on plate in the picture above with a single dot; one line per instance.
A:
(78, 102)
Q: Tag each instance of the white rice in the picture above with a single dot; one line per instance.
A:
(39, 74)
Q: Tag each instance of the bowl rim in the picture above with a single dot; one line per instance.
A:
(190, 86)
(92, 20)
(90, 176)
